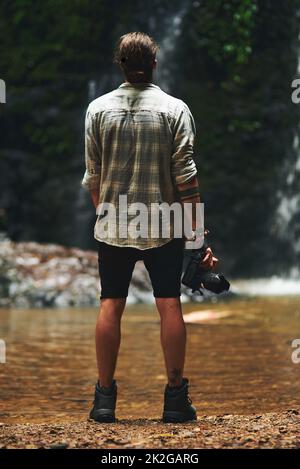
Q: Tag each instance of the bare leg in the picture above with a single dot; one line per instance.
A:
(108, 338)
(173, 338)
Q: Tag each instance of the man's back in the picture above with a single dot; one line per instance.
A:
(139, 143)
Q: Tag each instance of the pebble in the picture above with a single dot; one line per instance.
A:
(61, 445)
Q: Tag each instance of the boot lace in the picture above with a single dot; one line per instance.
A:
(189, 400)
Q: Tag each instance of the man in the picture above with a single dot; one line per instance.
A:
(139, 143)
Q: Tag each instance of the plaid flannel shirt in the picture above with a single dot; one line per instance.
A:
(138, 142)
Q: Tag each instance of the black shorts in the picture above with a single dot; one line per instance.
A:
(164, 265)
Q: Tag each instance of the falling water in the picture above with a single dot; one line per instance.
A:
(286, 225)
(288, 212)
(167, 46)
(289, 207)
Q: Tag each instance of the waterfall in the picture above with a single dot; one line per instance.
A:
(287, 216)
(165, 57)
(288, 211)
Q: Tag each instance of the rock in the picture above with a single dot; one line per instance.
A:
(60, 445)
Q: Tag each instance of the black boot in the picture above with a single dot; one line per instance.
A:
(104, 403)
(178, 406)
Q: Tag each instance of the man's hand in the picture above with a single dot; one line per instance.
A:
(209, 261)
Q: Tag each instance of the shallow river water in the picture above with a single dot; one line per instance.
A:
(238, 360)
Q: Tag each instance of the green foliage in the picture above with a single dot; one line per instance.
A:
(225, 30)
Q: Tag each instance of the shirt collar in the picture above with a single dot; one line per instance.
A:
(139, 85)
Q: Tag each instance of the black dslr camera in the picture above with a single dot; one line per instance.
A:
(196, 276)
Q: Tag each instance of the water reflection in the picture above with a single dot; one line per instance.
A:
(237, 363)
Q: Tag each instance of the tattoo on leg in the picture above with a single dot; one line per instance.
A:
(175, 375)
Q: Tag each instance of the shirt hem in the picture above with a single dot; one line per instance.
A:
(132, 245)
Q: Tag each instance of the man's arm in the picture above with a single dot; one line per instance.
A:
(95, 197)
(189, 194)
(184, 171)
(91, 179)
(183, 167)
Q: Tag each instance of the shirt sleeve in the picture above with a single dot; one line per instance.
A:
(183, 167)
(91, 178)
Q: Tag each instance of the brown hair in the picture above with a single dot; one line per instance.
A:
(135, 53)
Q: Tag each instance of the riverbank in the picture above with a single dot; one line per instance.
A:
(40, 275)
(270, 430)
(37, 275)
